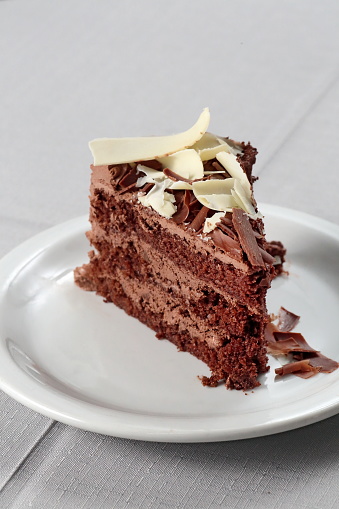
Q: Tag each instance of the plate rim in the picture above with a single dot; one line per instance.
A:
(157, 431)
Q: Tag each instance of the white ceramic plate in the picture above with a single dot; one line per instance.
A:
(70, 356)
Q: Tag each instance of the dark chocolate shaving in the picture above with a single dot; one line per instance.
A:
(266, 256)
(147, 187)
(298, 338)
(226, 230)
(302, 369)
(326, 365)
(217, 166)
(247, 238)
(287, 320)
(128, 179)
(151, 163)
(230, 246)
(227, 219)
(308, 363)
(175, 176)
(199, 219)
(182, 208)
(258, 235)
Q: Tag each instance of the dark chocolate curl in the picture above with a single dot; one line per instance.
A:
(325, 364)
(230, 246)
(247, 238)
(300, 368)
(197, 222)
(183, 209)
(151, 163)
(175, 176)
(287, 320)
(217, 166)
(222, 226)
(302, 345)
(266, 256)
(128, 179)
(309, 361)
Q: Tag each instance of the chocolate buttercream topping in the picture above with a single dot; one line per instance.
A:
(119, 171)
(247, 238)
(230, 246)
(287, 320)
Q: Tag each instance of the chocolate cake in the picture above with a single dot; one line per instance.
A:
(179, 244)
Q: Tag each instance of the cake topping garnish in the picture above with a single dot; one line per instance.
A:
(247, 239)
(215, 194)
(306, 361)
(211, 222)
(287, 320)
(128, 150)
(213, 169)
(233, 167)
(161, 201)
(186, 163)
(227, 244)
(209, 145)
(199, 219)
(151, 176)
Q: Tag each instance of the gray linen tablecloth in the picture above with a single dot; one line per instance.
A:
(74, 70)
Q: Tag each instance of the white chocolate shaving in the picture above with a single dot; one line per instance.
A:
(211, 222)
(241, 198)
(213, 172)
(215, 194)
(209, 145)
(125, 150)
(180, 185)
(159, 200)
(230, 163)
(151, 175)
(185, 163)
(233, 149)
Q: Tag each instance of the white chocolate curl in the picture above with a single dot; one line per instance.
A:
(128, 150)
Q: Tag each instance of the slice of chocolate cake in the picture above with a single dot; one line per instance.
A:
(179, 244)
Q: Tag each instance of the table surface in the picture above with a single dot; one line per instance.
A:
(79, 69)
